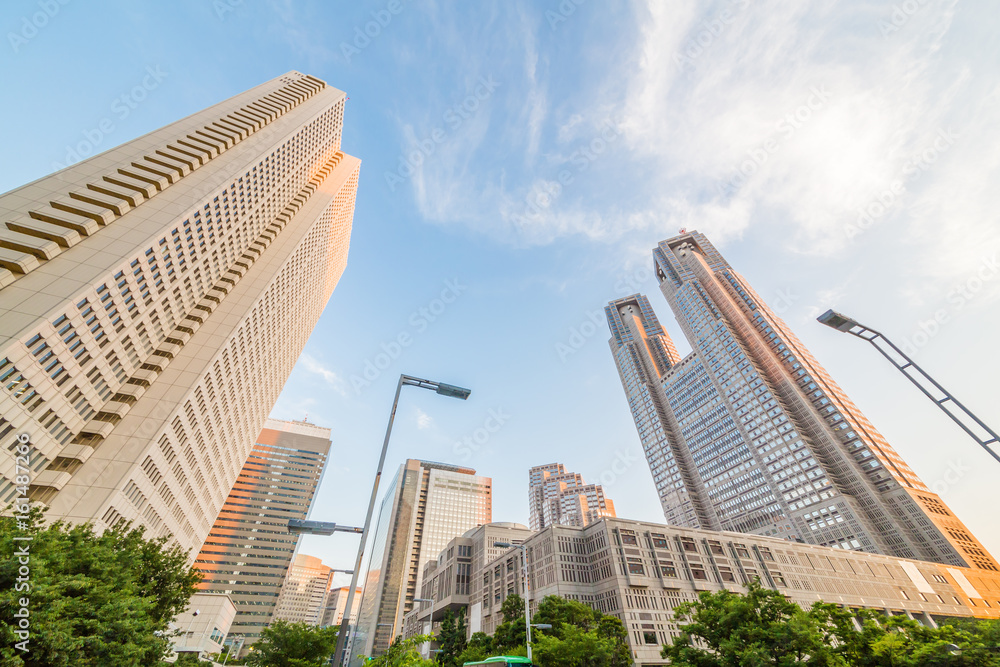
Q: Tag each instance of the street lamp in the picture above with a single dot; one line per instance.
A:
(958, 412)
(527, 589)
(188, 631)
(439, 387)
(233, 643)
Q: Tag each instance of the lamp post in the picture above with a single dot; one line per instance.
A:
(233, 643)
(527, 589)
(188, 631)
(438, 387)
(958, 412)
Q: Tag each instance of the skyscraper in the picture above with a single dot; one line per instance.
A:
(249, 550)
(749, 433)
(336, 605)
(559, 497)
(304, 591)
(426, 506)
(154, 299)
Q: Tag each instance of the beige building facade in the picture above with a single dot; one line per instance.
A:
(249, 550)
(336, 605)
(203, 627)
(304, 591)
(154, 299)
(639, 571)
(556, 496)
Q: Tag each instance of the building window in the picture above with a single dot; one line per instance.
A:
(668, 571)
(649, 637)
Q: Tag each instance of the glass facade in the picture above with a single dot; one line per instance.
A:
(749, 433)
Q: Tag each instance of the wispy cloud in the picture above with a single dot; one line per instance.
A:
(312, 365)
(424, 420)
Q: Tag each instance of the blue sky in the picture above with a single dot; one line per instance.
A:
(521, 159)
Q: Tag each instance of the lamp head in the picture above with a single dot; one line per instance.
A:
(452, 391)
(835, 320)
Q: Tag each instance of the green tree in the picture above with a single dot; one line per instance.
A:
(451, 638)
(760, 627)
(94, 600)
(560, 612)
(512, 608)
(284, 644)
(189, 660)
(403, 653)
(479, 647)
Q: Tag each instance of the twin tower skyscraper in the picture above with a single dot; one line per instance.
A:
(748, 433)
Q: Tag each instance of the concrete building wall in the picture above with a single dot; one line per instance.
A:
(304, 592)
(154, 299)
(639, 571)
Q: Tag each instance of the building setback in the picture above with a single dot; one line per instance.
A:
(249, 550)
(455, 581)
(639, 571)
(426, 506)
(304, 592)
(749, 433)
(154, 299)
(559, 497)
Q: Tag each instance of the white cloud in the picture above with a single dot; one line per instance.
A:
(424, 420)
(312, 365)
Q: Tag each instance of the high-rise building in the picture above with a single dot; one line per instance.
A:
(426, 506)
(336, 604)
(559, 497)
(304, 592)
(749, 433)
(249, 549)
(154, 299)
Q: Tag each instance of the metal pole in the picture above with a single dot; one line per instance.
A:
(342, 636)
(527, 592)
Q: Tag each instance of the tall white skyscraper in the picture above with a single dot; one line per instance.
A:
(426, 506)
(749, 433)
(154, 299)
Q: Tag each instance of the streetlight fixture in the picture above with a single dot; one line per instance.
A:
(439, 387)
(527, 589)
(188, 631)
(924, 382)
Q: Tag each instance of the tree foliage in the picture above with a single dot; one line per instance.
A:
(451, 638)
(285, 644)
(94, 600)
(761, 627)
(403, 653)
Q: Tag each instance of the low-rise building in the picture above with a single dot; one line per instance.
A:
(639, 572)
(204, 625)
